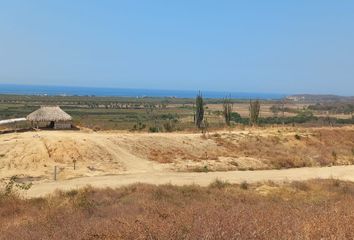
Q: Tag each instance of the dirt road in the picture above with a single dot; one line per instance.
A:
(203, 179)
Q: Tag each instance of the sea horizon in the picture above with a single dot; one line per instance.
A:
(44, 90)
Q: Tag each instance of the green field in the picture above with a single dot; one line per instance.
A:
(104, 113)
(164, 114)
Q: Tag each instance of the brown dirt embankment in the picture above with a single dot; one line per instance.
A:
(33, 155)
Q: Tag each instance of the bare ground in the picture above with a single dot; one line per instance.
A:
(201, 179)
(145, 157)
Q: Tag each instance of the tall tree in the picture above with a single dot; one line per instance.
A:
(227, 110)
(199, 110)
(255, 107)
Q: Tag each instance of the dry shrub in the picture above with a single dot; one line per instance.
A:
(204, 169)
(276, 149)
(161, 156)
(216, 135)
(303, 186)
(325, 162)
(313, 147)
(219, 184)
(244, 185)
(317, 209)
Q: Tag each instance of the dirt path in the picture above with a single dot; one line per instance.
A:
(203, 179)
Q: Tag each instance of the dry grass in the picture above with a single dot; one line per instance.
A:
(321, 209)
(258, 148)
(292, 148)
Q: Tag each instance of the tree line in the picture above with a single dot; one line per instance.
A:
(201, 123)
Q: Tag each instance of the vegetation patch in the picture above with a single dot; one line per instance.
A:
(294, 210)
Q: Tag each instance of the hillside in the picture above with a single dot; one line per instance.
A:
(33, 155)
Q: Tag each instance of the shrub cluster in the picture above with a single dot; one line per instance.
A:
(317, 209)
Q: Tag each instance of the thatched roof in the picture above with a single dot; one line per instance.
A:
(48, 114)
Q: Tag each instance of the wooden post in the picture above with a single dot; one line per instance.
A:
(55, 173)
(74, 161)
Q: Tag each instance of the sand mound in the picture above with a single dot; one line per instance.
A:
(34, 154)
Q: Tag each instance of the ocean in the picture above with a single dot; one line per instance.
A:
(125, 92)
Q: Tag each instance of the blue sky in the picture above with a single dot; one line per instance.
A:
(241, 46)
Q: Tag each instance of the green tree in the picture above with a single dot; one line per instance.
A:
(199, 111)
(227, 110)
(255, 107)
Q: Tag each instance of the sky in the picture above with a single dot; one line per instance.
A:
(295, 46)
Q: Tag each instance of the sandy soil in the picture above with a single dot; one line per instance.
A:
(32, 155)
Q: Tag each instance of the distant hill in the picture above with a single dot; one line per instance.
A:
(319, 98)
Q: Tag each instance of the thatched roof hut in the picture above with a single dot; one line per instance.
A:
(52, 114)
(49, 114)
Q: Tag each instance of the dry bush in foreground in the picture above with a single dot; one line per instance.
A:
(301, 210)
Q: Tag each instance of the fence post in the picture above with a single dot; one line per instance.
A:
(55, 173)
